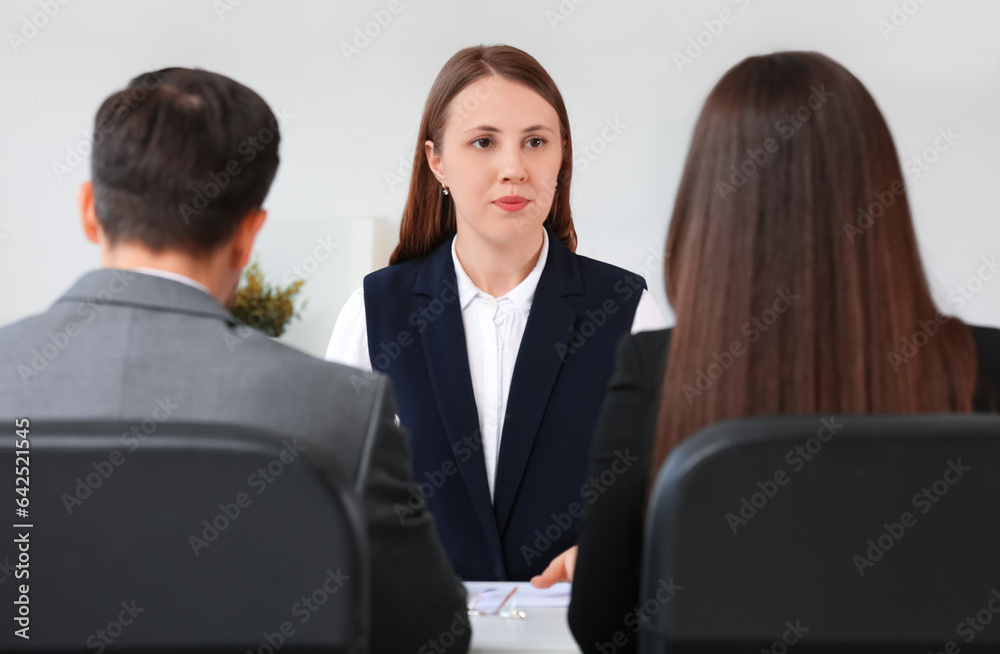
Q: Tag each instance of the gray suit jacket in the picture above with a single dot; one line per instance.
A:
(125, 345)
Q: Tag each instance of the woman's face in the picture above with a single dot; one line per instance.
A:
(500, 159)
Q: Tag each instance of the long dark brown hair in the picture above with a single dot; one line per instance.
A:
(792, 212)
(429, 215)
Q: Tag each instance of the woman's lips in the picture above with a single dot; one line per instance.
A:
(511, 203)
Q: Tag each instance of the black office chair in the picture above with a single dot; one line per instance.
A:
(765, 541)
(188, 538)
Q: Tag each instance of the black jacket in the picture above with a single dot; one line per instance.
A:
(607, 576)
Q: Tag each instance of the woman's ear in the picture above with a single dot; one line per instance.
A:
(434, 161)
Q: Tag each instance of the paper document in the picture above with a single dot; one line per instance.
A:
(487, 595)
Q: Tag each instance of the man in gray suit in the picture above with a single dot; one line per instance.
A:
(181, 164)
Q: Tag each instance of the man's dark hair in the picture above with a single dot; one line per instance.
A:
(180, 157)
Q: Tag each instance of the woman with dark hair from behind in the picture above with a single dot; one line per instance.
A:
(770, 271)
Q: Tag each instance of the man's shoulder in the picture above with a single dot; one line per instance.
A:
(290, 363)
(19, 329)
(18, 338)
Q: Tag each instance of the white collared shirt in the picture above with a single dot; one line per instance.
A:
(494, 328)
(177, 277)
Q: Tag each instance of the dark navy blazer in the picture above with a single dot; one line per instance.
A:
(580, 311)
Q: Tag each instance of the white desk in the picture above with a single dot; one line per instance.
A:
(544, 628)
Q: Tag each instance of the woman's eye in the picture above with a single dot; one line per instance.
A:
(482, 143)
(536, 142)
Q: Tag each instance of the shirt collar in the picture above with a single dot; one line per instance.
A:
(521, 295)
(177, 277)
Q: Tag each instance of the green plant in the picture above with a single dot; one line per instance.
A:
(263, 306)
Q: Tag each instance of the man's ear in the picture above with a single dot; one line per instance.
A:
(88, 217)
(244, 238)
(434, 161)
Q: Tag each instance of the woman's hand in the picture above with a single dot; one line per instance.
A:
(561, 569)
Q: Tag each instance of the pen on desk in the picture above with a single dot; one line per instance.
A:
(511, 593)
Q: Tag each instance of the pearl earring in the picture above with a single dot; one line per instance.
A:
(444, 189)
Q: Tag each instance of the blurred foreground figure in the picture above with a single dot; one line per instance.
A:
(182, 162)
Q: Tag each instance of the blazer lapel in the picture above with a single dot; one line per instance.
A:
(448, 367)
(539, 361)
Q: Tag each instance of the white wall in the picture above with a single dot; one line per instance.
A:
(353, 120)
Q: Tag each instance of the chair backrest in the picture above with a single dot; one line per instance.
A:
(847, 533)
(188, 536)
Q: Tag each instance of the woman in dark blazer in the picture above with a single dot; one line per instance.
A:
(790, 297)
(499, 339)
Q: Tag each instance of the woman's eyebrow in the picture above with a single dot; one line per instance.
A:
(482, 128)
(488, 128)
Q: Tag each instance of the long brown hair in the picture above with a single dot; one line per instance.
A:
(429, 215)
(792, 209)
